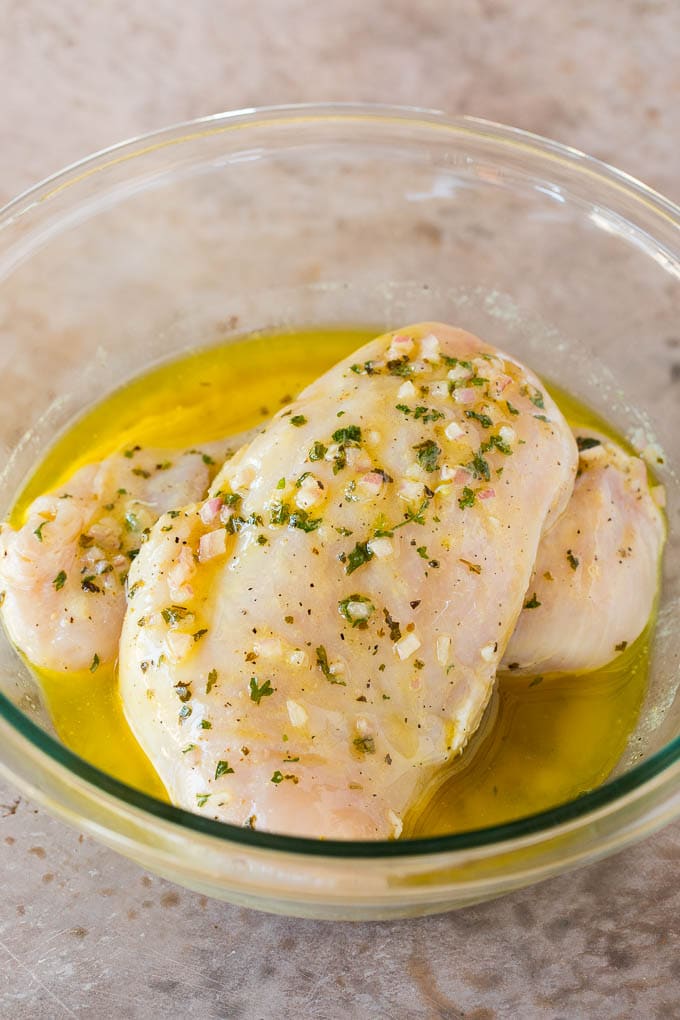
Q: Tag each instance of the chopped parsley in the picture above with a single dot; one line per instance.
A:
(496, 443)
(260, 691)
(532, 603)
(322, 663)
(483, 419)
(94, 665)
(38, 530)
(395, 629)
(422, 552)
(223, 769)
(587, 442)
(298, 420)
(60, 580)
(572, 560)
(346, 608)
(359, 555)
(479, 466)
(621, 647)
(300, 519)
(536, 399)
(511, 409)
(427, 454)
(175, 614)
(201, 798)
(205, 723)
(350, 434)
(277, 777)
(421, 413)
(365, 745)
(317, 451)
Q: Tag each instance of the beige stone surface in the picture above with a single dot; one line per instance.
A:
(84, 933)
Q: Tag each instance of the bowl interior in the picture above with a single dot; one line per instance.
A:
(298, 217)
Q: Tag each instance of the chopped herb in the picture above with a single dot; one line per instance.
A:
(183, 691)
(479, 466)
(427, 454)
(422, 552)
(365, 369)
(483, 419)
(536, 399)
(322, 663)
(135, 588)
(131, 521)
(317, 451)
(173, 513)
(281, 484)
(277, 777)
(132, 451)
(542, 417)
(200, 633)
(300, 519)
(201, 798)
(622, 645)
(88, 584)
(573, 560)
(399, 366)
(359, 555)
(301, 479)
(279, 513)
(223, 769)
(427, 414)
(232, 498)
(260, 691)
(496, 443)
(94, 665)
(189, 747)
(60, 580)
(38, 530)
(346, 608)
(467, 499)
(395, 629)
(537, 680)
(141, 473)
(297, 420)
(262, 540)
(348, 435)
(365, 745)
(343, 531)
(207, 459)
(511, 409)
(288, 619)
(175, 614)
(587, 442)
(206, 724)
(418, 664)
(533, 602)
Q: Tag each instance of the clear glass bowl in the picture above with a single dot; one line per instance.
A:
(308, 215)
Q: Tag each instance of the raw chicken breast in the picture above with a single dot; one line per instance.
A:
(63, 574)
(301, 648)
(597, 572)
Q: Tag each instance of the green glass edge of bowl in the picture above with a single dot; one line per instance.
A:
(543, 821)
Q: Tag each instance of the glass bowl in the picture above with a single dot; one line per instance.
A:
(267, 219)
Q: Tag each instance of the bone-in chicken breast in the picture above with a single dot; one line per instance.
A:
(597, 573)
(301, 647)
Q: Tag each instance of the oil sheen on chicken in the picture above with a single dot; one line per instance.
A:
(597, 571)
(302, 647)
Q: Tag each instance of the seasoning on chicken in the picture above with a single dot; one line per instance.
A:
(597, 572)
(63, 573)
(304, 646)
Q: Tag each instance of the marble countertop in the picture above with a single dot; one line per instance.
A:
(85, 933)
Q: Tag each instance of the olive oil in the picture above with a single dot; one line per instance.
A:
(544, 739)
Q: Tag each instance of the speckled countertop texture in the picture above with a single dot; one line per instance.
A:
(84, 933)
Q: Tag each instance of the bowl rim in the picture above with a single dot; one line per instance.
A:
(540, 825)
